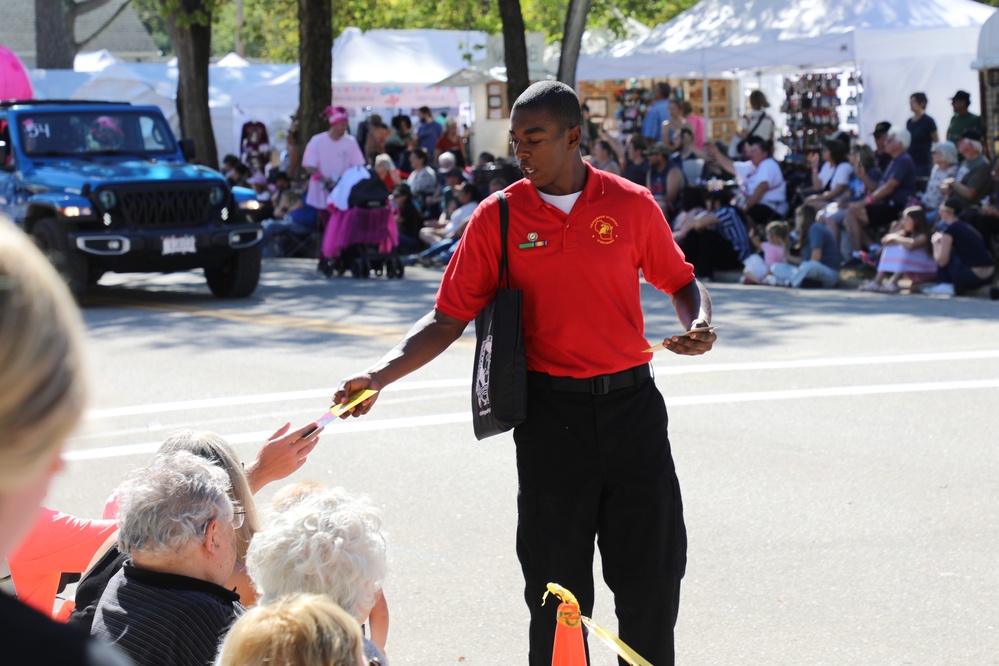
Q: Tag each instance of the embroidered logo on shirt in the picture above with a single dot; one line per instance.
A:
(604, 229)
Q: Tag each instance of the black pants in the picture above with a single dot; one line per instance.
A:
(600, 467)
(708, 250)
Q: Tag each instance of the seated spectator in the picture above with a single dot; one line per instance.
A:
(329, 543)
(58, 544)
(279, 182)
(177, 527)
(374, 142)
(258, 182)
(963, 260)
(450, 141)
(832, 179)
(385, 168)
(887, 198)
(987, 219)
(636, 165)
(944, 168)
(422, 182)
(442, 238)
(905, 252)
(296, 630)
(408, 219)
(973, 180)
(293, 221)
(665, 180)
(446, 162)
(604, 158)
(401, 141)
(881, 155)
(818, 255)
(240, 176)
(760, 180)
(772, 251)
(44, 395)
(284, 453)
(450, 179)
(229, 163)
(833, 214)
(716, 239)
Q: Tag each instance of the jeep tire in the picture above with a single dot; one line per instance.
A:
(71, 264)
(238, 276)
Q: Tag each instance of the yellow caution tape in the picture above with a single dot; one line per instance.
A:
(613, 642)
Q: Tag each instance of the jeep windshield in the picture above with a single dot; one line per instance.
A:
(107, 132)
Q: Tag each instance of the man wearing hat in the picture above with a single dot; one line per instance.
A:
(974, 177)
(880, 145)
(327, 156)
(962, 120)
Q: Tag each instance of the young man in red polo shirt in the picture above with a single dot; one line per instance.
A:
(578, 238)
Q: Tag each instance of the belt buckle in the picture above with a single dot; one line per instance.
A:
(600, 385)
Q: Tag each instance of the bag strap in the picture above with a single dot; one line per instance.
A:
(759, 121)
(504, 267)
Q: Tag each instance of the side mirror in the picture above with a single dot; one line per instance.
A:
(187, 149)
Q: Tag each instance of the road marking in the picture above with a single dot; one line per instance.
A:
(372, 425)
(276, 320)
(433, 385)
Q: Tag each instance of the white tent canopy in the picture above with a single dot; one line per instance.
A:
(900, 46)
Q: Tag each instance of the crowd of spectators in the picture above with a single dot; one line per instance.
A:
(858, 190)
(888, 205)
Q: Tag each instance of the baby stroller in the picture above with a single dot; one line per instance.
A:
(364, 238)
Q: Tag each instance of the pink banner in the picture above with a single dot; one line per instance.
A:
(394, 96)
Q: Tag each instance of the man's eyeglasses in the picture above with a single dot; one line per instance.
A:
(238, 518)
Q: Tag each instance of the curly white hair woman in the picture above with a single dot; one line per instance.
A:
(329, 543)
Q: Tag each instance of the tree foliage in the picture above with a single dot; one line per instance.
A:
(270, 27)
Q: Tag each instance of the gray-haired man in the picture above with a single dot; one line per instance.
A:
(177, 525)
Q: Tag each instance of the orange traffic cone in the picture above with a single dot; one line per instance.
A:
(569, 649)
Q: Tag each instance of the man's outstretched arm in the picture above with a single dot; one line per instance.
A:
(430, 336)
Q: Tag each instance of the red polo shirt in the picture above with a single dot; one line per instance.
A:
(582, 302)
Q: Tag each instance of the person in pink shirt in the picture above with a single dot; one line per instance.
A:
(327, 156)
(696, 123)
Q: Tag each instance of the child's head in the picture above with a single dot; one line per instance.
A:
(292, 495)
(804, 217)
(914, 222)
(297, 630)
(950, 209)
(777, 232)
(715, 200)
(290, 200)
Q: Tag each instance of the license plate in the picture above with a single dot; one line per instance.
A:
(179, 245)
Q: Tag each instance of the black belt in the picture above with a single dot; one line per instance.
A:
(599, 385)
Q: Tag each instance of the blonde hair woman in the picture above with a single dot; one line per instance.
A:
(43, 397)
(299, 630)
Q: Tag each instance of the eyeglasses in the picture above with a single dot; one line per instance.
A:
(238, 517)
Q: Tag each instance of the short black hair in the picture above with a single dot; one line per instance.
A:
(487, 157)
(919, 98)
(556, 99)
(754, 140)
(425, 109)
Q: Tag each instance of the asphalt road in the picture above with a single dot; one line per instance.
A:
(837, 454)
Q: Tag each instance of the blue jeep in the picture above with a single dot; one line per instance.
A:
(106, 187)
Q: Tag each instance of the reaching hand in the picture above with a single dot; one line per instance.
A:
(282, 454)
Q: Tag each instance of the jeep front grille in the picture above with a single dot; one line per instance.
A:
(177, 207)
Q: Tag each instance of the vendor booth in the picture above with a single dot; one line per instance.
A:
(897, 47)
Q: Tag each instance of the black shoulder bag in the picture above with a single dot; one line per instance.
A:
(499, 381)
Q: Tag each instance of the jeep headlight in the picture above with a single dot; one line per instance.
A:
(107, 199)
(252, 204)
(216, 195)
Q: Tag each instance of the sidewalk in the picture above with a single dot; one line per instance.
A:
(850, 279)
